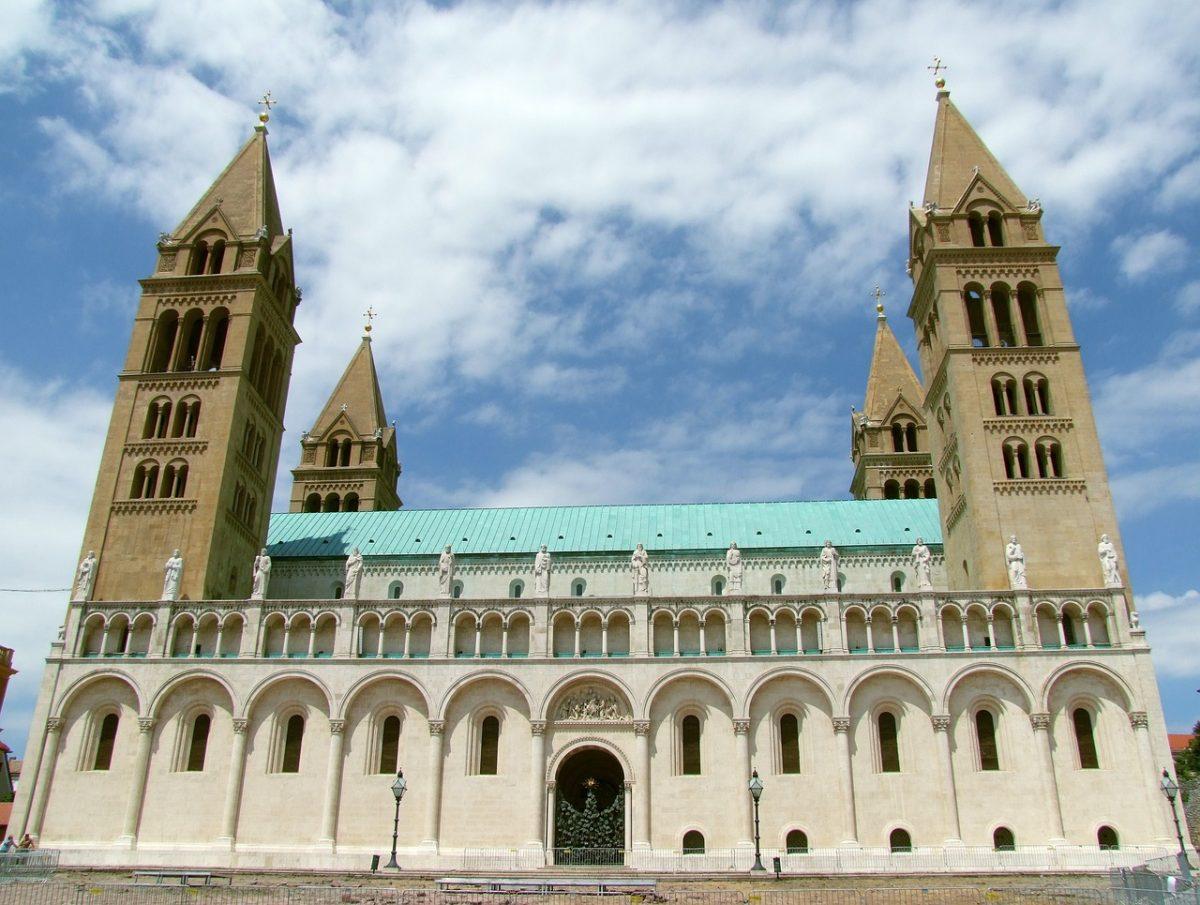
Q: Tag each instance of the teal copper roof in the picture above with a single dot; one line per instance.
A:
(606, 529)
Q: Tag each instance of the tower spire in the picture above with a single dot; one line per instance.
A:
(958, 156)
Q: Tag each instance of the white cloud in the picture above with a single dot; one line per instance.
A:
(1161, 251)
(1172, 625)
(46, 498)
(1187, 300)
(1138, 493)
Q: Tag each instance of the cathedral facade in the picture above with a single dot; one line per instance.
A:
(945, 671)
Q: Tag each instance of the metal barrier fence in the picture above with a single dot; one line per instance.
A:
(33, 865)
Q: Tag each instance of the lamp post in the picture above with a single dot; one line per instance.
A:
(1170, 789)
(756, 786)
(399, 787)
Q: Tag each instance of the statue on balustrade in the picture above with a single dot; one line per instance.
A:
(922, 563)
(446, 572)
(1015, 557)
(541, 573)
(734, 567)
(262, 576)
(640, 565)
(829, 567)
(1110, 564)
(172, 575)
(85, 577)
(354, 567)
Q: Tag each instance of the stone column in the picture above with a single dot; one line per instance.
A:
(628, 842)
(703, 638)
(1041, 727)
(1154, 797)
(41, 792)
(287, 638)
(896, 634)
(821, 634)
(220, 635)
(141, 766)
(604, 638)
(312, 638)
(578, 631)
(333, 783)
(774, 640)
(233, 788)
(941, 728)
(504, 639)
(433, 807)
(407, 638)
(741, 732)
(1087, 630)
(641, 804)
(1062, 634)
(966, 633)
(675, 633)
(841, 731)
(870, 634)
(991, 630)
(478, 637)
(537, 771)
(552, 806)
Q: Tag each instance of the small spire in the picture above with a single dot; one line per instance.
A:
(936, 68)
(370, 314)
(878, 294)
(266, 103)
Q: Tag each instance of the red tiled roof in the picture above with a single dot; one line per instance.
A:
(1178, 741)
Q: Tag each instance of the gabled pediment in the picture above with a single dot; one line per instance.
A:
(981, 189)
(214, 219)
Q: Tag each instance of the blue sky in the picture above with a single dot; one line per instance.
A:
(622, 252)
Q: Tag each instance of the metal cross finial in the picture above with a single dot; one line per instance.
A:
(878, 294)
(370, 314)
(266, 103)
(936, 69)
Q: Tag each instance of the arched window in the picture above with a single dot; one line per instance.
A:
(689, 733)
(395, 590)
(293, 741)
(344, 460)
(789, 743)
(164, 341)
(333, 502)
(105, 742)
(889, 743)
(693, 842)
(975, 223)
(897, 582)
(199, 259)
(350, 503)
(312, 502)
(899, 841)
(577, 587)
(1049, 458)
(456, 590)
(1003, 840)
(1004, 395)
(216, 257)
(1085, 740)
(1037, 394)
(1027, 303)
(190, 331)
(985, 735)
(331, 453)
(1003, 313)
(1068, 624)
(891, 490)
(389, 745)
(198, 745)
(489, 745)
(718, 586)
(214, 340)
(930, 489)
(796, 842)
(912, 489)
(158, 414)
(145, 481)
(1107, 839)
(995, 225)
(976, 322)
(910, 436)
(777, 584)
(897, 437)
(1016, 459)
(516, 589)
(338, 590)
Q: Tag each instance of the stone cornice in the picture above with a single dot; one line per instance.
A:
(1028, 425)
(1042, 486)
(167, 447)
(127, 507)
(956, 512)
(179, 380)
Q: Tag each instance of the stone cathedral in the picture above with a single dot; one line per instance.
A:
(946, 669)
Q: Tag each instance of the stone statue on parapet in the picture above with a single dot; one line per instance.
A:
(1014, 556)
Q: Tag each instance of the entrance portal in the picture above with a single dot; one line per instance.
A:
(589, 817)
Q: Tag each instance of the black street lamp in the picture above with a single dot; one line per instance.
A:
(1170, 789)
(756, 786)
(399, 787)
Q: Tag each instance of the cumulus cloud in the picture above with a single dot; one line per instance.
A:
(1172, 623)
(1161, 251)
(1139, 492)
(1187, 300)
(46, 498)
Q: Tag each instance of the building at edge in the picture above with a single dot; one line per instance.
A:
(946, 669)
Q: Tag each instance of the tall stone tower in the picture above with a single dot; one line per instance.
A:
(348, 460)
(190, 457)
(1012, 436)
(889, 443)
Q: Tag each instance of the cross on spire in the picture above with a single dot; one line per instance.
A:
(878, 295)
(936, 69)
(370, 314)
(266, 103)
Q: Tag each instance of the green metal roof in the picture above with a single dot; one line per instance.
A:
(606, 529)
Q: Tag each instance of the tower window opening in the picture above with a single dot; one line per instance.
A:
(350, 503)
(975, 223)
(389, 745)
(216, 257)
(912, 489)
(985, 735)
(293, 741)
(199, 258)
(1027, 303)
(910, 436)
(1004, 395)
(1049, 459)
(789, 743)
(995, 225)
(312, 502)
(198, 744)
(1016, 459)
(891, 490)
(976, 322)
(1037, 394)
(489, 746)
(1085, 739)
(930, 489)
(106, 742)
(889, 744)
(164, 341)
(689, 731)
(190, 333)
(1003, 312)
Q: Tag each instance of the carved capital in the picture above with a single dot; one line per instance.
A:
(436, 727)
(641, 727)
(54, 724)
(1138, 719)
(628, 784)
(1040, 721)
(741, 727)
(146, 723)
(337, 727)
(240, 726)
(538, 727)
(941, 723)
(841, 724)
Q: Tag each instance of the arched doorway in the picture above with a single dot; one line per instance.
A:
(589, 815)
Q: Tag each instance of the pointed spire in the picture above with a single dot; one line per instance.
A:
(357, 394)
(958, 154)
(891, 375)
(244, 193)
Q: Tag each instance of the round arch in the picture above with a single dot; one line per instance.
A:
(898, 671)
(995, 669)
(79, 685)
(780, 673)
(359, 687)
(670, 678)
(586, 675)
(262, 687)
(1086, 666)
(582, 744)
(479, 676)
(164, 691)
